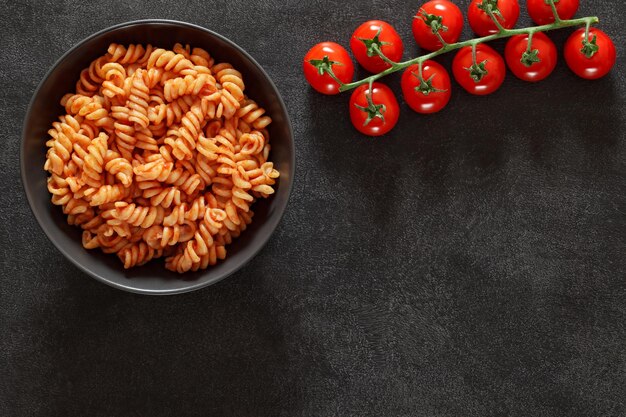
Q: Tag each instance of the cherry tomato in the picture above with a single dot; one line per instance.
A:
(483, 25)
(321, 58)
(377, 117)
(377, 35)
(542, 14)
(599, 46)
(431, 93)
(531, 66)
(441, 14)
(483, 78)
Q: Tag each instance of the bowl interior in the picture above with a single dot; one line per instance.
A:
(152, 278)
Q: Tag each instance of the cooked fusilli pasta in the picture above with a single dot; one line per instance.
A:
(160, 154)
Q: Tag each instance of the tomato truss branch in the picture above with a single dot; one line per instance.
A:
(505, 33)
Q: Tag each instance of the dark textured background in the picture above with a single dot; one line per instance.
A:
(470, 263)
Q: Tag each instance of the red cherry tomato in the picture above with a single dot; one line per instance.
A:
(534, 65)
(600, 62)
(377, 117)
(431, 93)
(482, 24)
(541, 12)
(377, 34)
(324, 56)
(481, 79)
(451, 24)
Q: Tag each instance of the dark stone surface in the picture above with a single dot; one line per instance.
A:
(468, 264)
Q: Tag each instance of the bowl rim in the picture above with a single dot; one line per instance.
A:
(193, 285)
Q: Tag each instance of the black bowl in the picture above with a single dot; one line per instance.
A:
(44, 108)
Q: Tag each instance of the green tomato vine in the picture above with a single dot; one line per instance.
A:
(478, 68)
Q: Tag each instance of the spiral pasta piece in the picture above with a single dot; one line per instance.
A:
(114, 76)
(252, 143)
(138, 254)
(81, 218)
(91, 77)
(91, 108)
(150, 171)
(144, 139)
(253, 115)
(176, 216)
(120, 167)
(60, 190)
(136, 215)
(133, 54)
(196, 85)
(185, 261)
(226, 151)
(163, 196)
(197, 209)
(107, 194)
(159, 236)
(204, 168)
(225, 73)
(175, 110)
(170, 61)
(138, 100)
(61, 146)
(94, 161)
(183, 140)
(125, 139)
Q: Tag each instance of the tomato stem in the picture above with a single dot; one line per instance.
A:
(443, 42)
(435, 22)
(382, 56)
(490, 12)
(426, 86)
(334, 77)
(490, 5)
(557, 18)
(590, 48)
(478, 69)
(374, 46)
(529, 47)
(325, 66)
(373, 110)
(530, 56)
(507, 33)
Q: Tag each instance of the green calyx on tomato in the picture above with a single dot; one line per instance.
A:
(324, 65)
(478, 70)
(530, 57)
(426, 86)
(490, 6)
(372, 110)
(590, 48)
(374, 45)
(433, 21)
(327, 67)
(549, 2)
